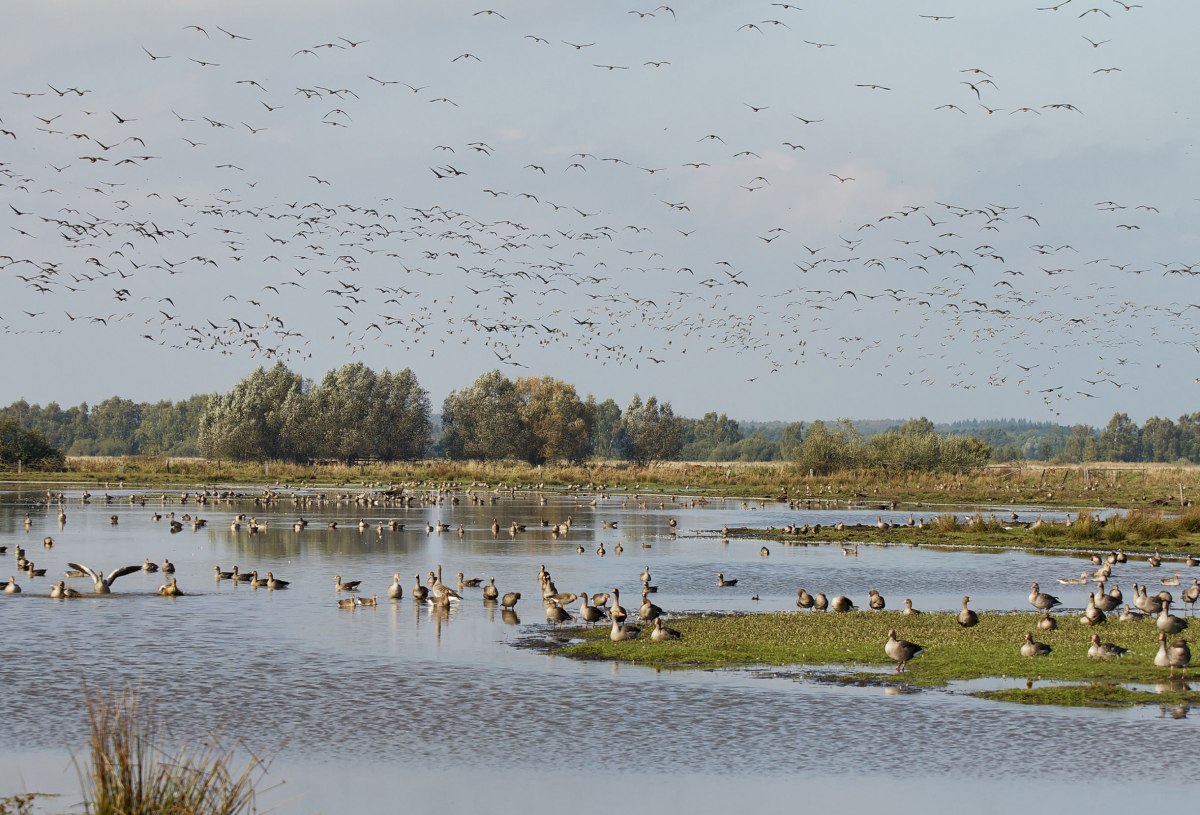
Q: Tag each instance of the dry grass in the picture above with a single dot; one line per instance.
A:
(133, 771)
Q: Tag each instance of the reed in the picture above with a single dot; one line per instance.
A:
(134, 771)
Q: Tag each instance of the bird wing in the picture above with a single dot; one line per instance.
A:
(79, 567)
(123, 571)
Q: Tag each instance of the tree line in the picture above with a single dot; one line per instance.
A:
(354, 413)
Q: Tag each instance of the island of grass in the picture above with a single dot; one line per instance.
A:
(854, 643)
(1136, 532)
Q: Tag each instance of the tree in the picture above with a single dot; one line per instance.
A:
(791, 441)
(355, 413)
(247, 423)
(115, 422)
(1119, 440)
(650, 432)
(556, 418)
(1160, 440)
(484, 421)
(604, 419)
(26, 448)
(1080, 445)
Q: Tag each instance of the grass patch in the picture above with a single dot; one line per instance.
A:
(1093, 694)
(21, 804)
(133, 771)
(990, 649)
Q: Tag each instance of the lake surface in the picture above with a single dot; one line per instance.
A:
(400, 704)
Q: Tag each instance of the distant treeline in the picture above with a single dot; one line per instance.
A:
(355, 413)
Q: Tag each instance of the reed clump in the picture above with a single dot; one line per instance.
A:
(133, 770)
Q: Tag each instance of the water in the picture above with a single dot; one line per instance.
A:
(402, 703)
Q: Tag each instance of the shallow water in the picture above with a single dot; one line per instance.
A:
(390, 698)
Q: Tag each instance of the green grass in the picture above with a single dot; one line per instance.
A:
(855, 640)
(1094, 694)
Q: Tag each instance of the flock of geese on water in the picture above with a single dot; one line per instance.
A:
(598, 607)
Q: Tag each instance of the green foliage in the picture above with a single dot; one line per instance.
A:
(26, 448)
(484, 421)
(557, 420)
(249, 422)
(356, 413)
(913, 446)
(649, 432)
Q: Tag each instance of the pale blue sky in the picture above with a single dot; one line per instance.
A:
(698, 249)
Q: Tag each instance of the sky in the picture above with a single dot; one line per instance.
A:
(864, 209)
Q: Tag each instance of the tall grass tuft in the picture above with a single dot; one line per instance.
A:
(133, 771)
(945, 523)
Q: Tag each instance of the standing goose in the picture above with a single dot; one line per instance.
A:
(1191, 594)
(102, 584)
(587, 612)
(1042, 601)
(556, 614)
(419, 591)
(1175, 655)
(820, 602)
(900, 650)
(1167, 622)
(967, 617)
(803, 599)
(490, 592)
(1104, 650)
(1092, 615)
(471, 582)
(648, 611)
(509, 600)
(1105, 601)
(617, 613)
(395, 591)
(841, 604)
(1033, 648)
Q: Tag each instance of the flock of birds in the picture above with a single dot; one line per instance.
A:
(606, 606)
(169, 215)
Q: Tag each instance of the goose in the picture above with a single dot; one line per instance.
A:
(241, 577)
(490, 592)
(648, 611)
(1128, 615)
(509, 600)
(850, 551)
(803, 599)
(102, 584)
(820, 601)
(168, 567)
(876, 602)
(1033, 648)
(1047, 623)
(472, 582)
(32, 571)
(620, 632)
(556, 614)
(1116, 594)
(1175, 655)
(1042, 601)
(48, 542)
(364, 601)
(1092, 615)
(395, 591)
(1171, 581)
(1167, 622)
(1121, 556)
(967, 617)
(900, 650)
(764, 552)
(1104, 601)
(1148, 604)
(723, 583)
(600, 551)
(1082, 580)
(617, 613)
(347, 602)
(645, 576)
(1104, 650)
(171, 589)
(580, 550)
(600, 600)
(61, 591)
(661, 633)
(618, 548)
(419, 591)
(1155, 560)
(256, 581)
(275, 584)
(350, 585)
(908, 608)
(841, 604)
(1191, 594)
(587, 612)
(12, 587)
(220, 575)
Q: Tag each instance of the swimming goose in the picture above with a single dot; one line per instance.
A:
(220, 575)
(1042, 601)
(419, 591)
(803, 599)
(12, 587)
(661, 633)
(490, 592)
(100, 583)
(908, 608)
(1175, 655)
(47, 542)
(876, 602)
(620, 632)
(1032, 648)
(350, 585)
(1047, 623)
(1104, 650)
(648, 610)
(168, 567)
(1082, 580)
(60, 591)
(240, 577)
(275, 584)
(363, 601)
(645, 576)
(347, 602)
(841, 604)
(1167, 622)
(820, 601)
(471, 582)
(1171, 581)
(967, 617)
(1155, 560)
(900, 650)
(395, 591)
(723, 583)
(171, 589)
(764, 552)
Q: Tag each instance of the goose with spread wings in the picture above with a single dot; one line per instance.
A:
(102, 584)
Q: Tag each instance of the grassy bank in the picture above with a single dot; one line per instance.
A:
(855, 641)
(1091, 485)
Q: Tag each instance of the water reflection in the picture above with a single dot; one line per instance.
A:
(415, 683)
